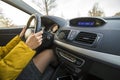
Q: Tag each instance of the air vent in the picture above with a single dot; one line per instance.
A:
(86, 37)
(63, 34)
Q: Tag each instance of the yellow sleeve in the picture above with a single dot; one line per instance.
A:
(14, 62)
(6, 49)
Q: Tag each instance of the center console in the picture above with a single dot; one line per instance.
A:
(71, 66)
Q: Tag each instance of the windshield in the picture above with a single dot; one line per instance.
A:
(78, 8)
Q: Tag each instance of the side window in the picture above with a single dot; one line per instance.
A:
(11, 16)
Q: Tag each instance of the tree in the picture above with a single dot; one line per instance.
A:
(45, 5)
(117, 14)
(96, 11)
(4, 22)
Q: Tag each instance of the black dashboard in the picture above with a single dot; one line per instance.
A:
(101, 42)
(90, 39)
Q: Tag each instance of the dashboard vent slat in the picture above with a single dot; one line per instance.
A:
(86, 37)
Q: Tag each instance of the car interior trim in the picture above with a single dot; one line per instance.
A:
(113, 59)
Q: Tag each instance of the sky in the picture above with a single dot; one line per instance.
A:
(66, 8)
(75, 8)
(17, 16)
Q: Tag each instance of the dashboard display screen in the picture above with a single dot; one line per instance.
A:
(86, 23)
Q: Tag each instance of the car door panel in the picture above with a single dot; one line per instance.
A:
(7, 34)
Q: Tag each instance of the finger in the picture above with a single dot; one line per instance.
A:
(23, 32)
(40, 41)
(24, 29)
(39, 37)
(39, 33)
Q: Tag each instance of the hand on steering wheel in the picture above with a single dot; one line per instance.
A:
(34, 40)
(36, 27)
(47, 36)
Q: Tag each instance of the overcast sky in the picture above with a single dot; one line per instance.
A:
(74, 8)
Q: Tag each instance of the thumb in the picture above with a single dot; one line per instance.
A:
(22, 32)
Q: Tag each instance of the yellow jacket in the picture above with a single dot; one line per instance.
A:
(13, 58)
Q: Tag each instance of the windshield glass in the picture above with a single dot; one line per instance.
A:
(11, 16)
(78, 8)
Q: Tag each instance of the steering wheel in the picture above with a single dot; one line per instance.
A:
(47, 36)
(37, 22)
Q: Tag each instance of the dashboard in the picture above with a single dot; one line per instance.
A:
(96, 38)
(93, 41)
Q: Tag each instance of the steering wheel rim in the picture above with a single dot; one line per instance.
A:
(37, 22)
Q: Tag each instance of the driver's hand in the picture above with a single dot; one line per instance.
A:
(34, 40)
(22, 33)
